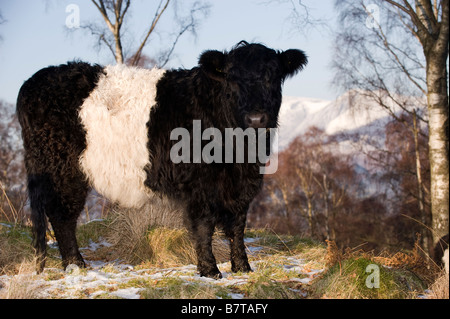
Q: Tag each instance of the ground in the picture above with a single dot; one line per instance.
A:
(284, 267)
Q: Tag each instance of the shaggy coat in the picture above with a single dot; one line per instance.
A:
(109, 128)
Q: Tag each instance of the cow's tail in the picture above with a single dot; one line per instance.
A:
(36, 193)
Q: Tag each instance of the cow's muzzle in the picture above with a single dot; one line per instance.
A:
(256, 120)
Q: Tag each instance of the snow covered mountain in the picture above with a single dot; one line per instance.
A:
(298, 114)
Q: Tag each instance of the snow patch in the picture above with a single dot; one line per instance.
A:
(102, 279)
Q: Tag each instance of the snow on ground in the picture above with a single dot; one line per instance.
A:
(118, 280)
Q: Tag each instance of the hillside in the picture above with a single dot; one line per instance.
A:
(356, 121)
(350, 113)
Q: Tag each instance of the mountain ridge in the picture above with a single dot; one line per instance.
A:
(348, 112)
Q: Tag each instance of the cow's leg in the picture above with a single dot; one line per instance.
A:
(62, 205)
(73, 195)
(64, 229)
(234, 227)
(201, 223)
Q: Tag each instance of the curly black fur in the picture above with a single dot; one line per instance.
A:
(222, 92)
(53, 136)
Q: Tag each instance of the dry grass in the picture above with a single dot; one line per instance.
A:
(440, 288)
(15, 248)
(155, 235)
(23, 284)
(348, 280)
(414, 261)
(401, 275)
(12, 213)
(128, 228)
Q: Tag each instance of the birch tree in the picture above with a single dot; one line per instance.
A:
(114, 14)
(394, 49)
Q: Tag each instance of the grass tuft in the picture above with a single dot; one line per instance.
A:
(360, 275)
(137, 240)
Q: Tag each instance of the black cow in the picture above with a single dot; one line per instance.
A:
(111, 128)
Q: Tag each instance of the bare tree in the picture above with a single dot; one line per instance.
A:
(118, 9)
(300, 16)
(279, 187)
(395, 50)
(114, 14)
(313, 182)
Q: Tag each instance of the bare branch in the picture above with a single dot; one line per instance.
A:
(436, 9)
(188, 23)
(114, 12)
(101, 8)
(387, 45)
(422, 31)
(102, 36)
(124, 12)
(170, 51)
(300, 17)
(158, 15)
(116, 7)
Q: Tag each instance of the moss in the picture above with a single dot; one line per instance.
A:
(361, 278)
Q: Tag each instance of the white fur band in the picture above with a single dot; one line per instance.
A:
(115, 116)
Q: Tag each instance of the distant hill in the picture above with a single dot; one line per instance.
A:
(297, 114)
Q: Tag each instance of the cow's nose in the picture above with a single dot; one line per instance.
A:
(258, 120)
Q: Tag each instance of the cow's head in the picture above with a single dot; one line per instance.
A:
(251, 76)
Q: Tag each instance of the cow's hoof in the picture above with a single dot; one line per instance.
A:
(214, 274)
(245, 267)
(74, 262)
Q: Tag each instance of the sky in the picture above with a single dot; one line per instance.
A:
(35, 35)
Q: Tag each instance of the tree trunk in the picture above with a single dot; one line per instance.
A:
(119, 51)
(311, 223)
(435, 42)
(426, 235)
(288, 212)
(327, 208)
(437, 99)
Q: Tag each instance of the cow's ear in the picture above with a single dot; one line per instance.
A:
(293, 61)
(212, 63)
